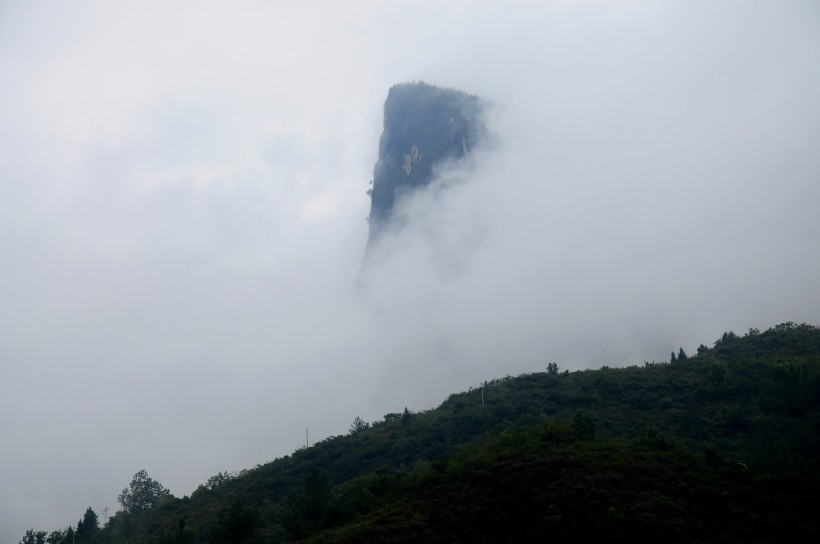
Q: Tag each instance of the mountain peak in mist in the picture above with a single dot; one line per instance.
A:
(424, 125)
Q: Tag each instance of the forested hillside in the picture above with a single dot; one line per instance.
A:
(721, 445)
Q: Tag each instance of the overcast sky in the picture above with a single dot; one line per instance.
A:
(183, 202)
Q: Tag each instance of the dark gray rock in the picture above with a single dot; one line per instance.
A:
(423, 126)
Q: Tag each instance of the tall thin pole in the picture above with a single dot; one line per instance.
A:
(307, 442)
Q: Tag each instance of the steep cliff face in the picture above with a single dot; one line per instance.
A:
(423, 125)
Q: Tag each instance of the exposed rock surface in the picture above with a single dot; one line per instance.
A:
(423, 125)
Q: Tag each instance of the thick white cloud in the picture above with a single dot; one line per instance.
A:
(182, 204)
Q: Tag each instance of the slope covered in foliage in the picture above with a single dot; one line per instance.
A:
(719, 446)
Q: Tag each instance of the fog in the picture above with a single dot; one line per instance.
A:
(183, 203)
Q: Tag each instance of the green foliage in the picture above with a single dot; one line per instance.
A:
(544, 481)
(717, 374)
(236, 525)
(58, 537)
(217, 480)
(552, 369)
(358, 426)
(311, 510)
(88, 527)
(34, 537)
(722, 446)
(583, 426)
(142, 493)
(727, 338)
(181, 535)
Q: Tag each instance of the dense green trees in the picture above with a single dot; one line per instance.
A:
(34, 537)
(681, 356)
(358, 425)
(61, 537)
(721, 446)
(236, 525)
(142, 493)
(88, 528)
(583, 425)
(57, 537)
(311, 509)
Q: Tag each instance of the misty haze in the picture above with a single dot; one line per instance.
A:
(231, 234)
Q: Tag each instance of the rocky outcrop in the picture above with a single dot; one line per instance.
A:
(423, 126)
